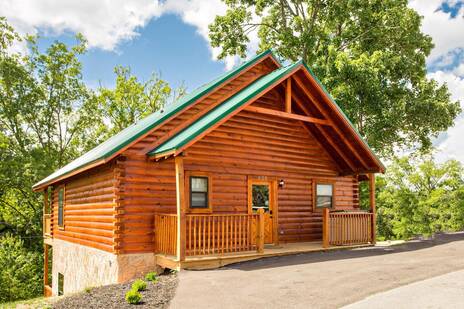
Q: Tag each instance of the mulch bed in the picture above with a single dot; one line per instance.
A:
(157, 295)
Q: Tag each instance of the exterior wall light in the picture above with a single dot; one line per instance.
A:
(281, 183)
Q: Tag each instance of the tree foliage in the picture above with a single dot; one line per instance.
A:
(130, 101)
(420, 197)
(48, 117)
(20, 270)
(370, 54)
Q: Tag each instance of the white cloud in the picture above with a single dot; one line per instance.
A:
(104, 23)
(447, 32)
(451, 145)
(107, 23)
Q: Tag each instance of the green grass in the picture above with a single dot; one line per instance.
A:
(39, 302)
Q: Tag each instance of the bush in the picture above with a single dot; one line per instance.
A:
(151, 276)
(139, 285)
(20, 270)
(133, 297)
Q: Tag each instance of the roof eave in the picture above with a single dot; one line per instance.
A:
(108, 156)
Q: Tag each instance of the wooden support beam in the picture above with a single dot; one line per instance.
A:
(328, 138)
(288, 96)
(325, 228)
(372, 206)
(180, 201)
(325, 114)
(272, 112)
(260, 234)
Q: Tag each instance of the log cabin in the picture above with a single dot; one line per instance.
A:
(259, 162)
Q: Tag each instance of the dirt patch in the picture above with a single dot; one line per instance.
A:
(157, 295)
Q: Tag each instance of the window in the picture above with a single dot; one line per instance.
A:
(199, 192)
(324, 195)
(60, 284)
(60, 207)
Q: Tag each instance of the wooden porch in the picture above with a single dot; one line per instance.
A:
(219, 260)
(215, 240)
(209, 240)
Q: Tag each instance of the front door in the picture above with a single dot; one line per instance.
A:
(260, 195)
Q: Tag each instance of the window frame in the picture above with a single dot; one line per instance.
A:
(61, 189)
(323, 182)
(189, 176)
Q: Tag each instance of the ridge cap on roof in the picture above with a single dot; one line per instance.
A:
(123, 138)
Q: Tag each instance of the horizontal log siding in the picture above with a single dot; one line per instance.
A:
(262, 145)
(149, 187)
(89, 205)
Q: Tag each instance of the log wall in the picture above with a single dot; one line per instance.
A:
(89, 209)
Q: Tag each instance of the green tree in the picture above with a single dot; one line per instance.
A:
(370, 54)
(420, 197)
(130, 101)
(48, 117)
(20, 270)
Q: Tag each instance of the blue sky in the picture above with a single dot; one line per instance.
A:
(165, 45)
(171, 37)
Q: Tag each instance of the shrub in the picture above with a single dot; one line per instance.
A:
(151, 276)
(88, 289)
(139, 285)
(21, 270)
(133, 297)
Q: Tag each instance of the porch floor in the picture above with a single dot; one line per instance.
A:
(217, 260)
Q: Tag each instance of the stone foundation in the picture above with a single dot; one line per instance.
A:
(84, 266)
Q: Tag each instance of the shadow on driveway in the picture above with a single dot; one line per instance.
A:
(342, 254)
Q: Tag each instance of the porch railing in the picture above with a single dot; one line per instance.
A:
(347, 228)
(47, 225)
(208, 234)
(220, 233)
(166, 233)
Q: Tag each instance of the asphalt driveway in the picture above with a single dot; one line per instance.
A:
(319, 280)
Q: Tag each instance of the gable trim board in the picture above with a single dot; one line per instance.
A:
(179, 142)
(107, 150)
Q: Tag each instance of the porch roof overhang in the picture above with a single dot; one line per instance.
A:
(109, 149)
(334, 131)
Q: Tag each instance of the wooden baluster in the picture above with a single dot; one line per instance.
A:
(209, 234)
(325, 228)
(235, 233)
(223, 221)
(204, 234)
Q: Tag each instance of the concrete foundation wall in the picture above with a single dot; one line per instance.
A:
(84, 266)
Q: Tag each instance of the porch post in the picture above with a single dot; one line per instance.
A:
(180, 197)
(45, 275)
(288, 96)
(260, 242)
(325, 228)
(372, 206)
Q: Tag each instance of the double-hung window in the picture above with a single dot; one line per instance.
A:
(324, 193)
(199, 187)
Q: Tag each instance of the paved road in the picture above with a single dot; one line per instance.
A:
(319, 280)
(445, 291)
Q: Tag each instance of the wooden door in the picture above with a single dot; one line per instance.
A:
(261, 195)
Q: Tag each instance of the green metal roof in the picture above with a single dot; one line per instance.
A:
(218, 113)
(214, 116)
(131, 133)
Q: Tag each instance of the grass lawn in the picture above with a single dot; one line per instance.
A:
(39, 302)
